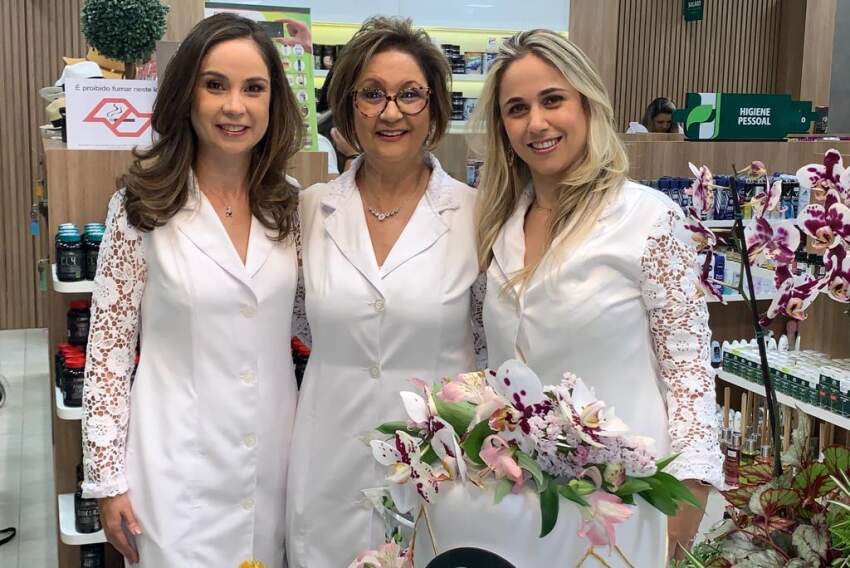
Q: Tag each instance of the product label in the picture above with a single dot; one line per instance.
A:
(69, 265)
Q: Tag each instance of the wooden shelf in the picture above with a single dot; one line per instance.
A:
(81, 287)
(67, 531)
(456, 77)
(66, 412)
(810, 409)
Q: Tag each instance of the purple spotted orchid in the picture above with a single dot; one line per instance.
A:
(778, 241)
(837, 263)
(828, 223)
(794, 297)
(517, 384)
(767, 200)
(409, 475)
(701, 190)
(423, 416)
(820, 179)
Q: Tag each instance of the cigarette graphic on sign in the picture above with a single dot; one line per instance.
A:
(120, 116)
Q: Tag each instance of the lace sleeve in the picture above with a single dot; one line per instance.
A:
(479, 289)
(300, 327)
(118, 288)
(678, 319)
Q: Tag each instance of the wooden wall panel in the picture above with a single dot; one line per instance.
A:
(734, 48)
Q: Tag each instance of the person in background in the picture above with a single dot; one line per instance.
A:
(199, 262)
(593, 274)
(658, 118)
(340, 152)
(389, 268)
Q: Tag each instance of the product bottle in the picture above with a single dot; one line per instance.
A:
(716, 354)
(749, 452)
(72, 381)
(731, 461)
(79, 319)
(92, 242)
(86, 511)
(92, 556)
(70, 261)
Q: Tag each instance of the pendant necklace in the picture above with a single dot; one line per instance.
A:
(228, 211)
(384, 215)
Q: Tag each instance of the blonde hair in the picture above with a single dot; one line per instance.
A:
(589, 184)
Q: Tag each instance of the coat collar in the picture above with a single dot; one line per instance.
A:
(345, 222)
(200, 223)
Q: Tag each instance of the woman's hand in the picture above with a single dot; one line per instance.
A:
(682, 528)
(118, 522)
(299, 33)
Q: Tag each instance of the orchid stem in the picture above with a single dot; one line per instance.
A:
(430, 528)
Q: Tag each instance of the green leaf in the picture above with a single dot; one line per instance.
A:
(678, 490)
(548, 509)
(475, 439)
(739, 497)
(391, 428)
(755, 474)
(429, 456)
(664, 462)
(659, 497)
(632, 485)
(810, 543)
(458, 414)
(503, 487)
(528, 464)
(568, 492)
(837, 459)
(699, 115)
(582, 487)
(774, 499)
(813, 482)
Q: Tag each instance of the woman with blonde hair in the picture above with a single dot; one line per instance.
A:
(587, 272)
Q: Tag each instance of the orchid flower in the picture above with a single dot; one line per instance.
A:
(472, 387)
(599, 518)
(701, 189)
(709, 285)
(793, 298)
(828, 223)
(703, 237)
(778, 241)
(498, 455)
(408, 473)
(423, 414)
(388, 555)
(591, 418)
(757, 169)
(517, 384)
(767, 200)
(837, 264)
(820, 179)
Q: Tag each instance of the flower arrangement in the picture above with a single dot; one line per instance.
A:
(502, 429)
(800, 519)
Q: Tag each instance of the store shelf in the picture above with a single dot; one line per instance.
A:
(730, 298)
(456, 77)
(66, 412)
(67, 532)
(722, 224)
(811, 410)
(82, 287)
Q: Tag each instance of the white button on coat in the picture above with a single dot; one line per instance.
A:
(425, 331)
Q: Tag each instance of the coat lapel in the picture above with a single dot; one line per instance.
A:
(509, 248)
(260, 247)
(426, 225)
(199, 222)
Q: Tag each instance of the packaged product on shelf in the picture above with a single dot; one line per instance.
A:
(92, 556)
(473, 172)
(70, 256)
(474, 61)
(91, 246)
(79, 319)
(63, 352)
(86, 511)
(469, 107)
(73, 377)
(317, 55)
(329, 53)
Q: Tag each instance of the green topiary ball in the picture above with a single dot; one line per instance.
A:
(126, 30)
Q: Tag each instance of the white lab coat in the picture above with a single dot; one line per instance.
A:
(373, 330)
(624, 313)
(211, 410)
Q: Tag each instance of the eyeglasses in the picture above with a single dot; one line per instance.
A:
(372, 102)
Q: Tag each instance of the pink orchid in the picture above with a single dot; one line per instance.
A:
(423, 415)
(837, 264)
(408, 473)
(388, 555)
(775, 240)
(708, 284)
(822, 178)
(599, 518)
(793, 298)
(767, 200)
(472, 387)
(757, 169)
(701, 189)
(498, 455)
(702, 237)
(828, 223)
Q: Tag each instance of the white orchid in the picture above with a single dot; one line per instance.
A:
(409, 475)
(423, 415)
(591, 418)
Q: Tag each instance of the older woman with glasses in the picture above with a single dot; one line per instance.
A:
(389, 265)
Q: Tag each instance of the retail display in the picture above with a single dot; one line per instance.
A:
(86, 511)
(92, 556)
(79, 318)
(76, 254)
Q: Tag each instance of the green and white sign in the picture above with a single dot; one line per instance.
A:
(693, 10)
(743, 116)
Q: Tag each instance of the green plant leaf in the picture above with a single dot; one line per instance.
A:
(582, 487)
(739, 497)
(755, 474)
(772, 500)
(458, 414)
(813, 482)
(837, 459)
(503, 487)
(429, 456)
(659, 497)
(632, 485)
(475, 439)
(548, 509)
(568, 492)
(678, 490)
(699, 115)
(810, 543)
(391, 428)
(528, 464)
(664, 462)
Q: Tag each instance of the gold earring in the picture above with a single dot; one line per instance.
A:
(511, 157)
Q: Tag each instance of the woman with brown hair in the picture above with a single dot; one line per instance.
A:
(199, 262)
(389, 264)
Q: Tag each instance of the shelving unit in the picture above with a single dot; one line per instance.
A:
(811, 410)
(81, 287)
(67, 531)
(66, 412)
(456, 77)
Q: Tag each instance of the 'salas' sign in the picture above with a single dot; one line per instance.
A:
(743, 116)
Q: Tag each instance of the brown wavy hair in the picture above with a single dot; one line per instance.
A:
(157, 184)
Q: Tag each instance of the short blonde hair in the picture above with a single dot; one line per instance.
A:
(377, 35)
(590, 183)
